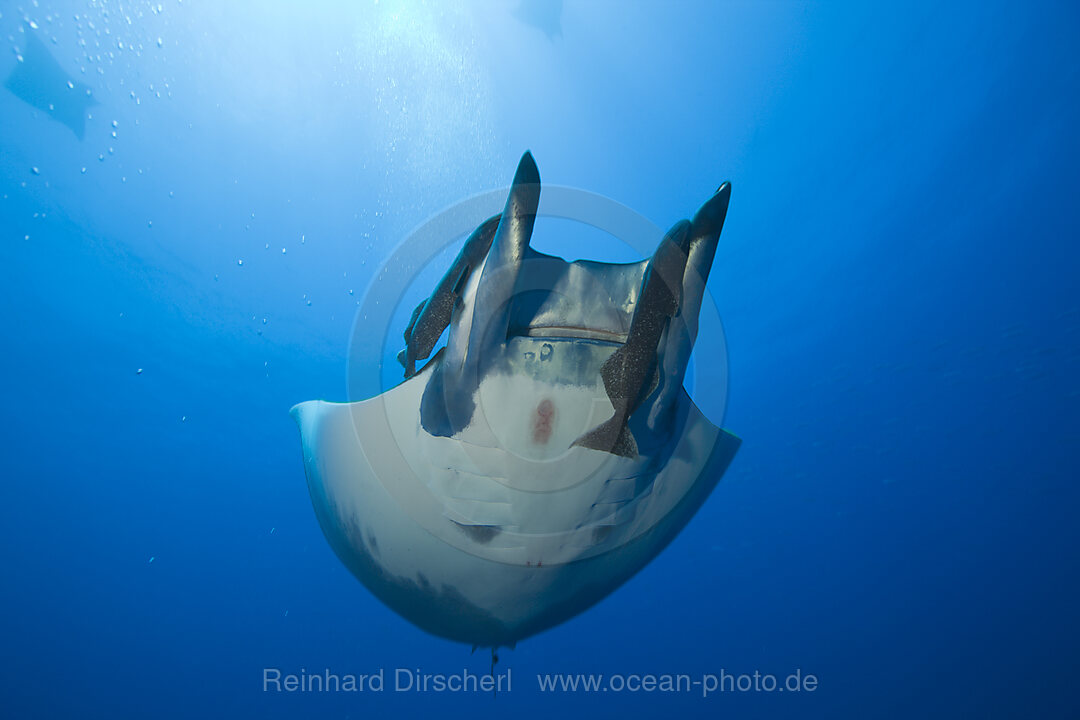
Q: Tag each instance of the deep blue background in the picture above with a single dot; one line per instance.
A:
(897, 278)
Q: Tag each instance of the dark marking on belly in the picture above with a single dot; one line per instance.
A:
(543, 422)
(481, 534)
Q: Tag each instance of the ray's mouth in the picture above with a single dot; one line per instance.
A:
(641, 311)
(569, 332)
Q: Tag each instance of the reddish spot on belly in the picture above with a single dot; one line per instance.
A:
(543, 421)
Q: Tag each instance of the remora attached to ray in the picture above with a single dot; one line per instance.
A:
(546, 454)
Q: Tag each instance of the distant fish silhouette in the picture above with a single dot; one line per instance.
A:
(40, 81)
(544, 15)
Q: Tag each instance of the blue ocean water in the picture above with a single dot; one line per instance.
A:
(896, 277)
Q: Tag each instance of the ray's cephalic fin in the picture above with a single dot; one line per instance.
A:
(630, 372)
(506, 236)
(448, 403)
(509, 248)
(674, 284)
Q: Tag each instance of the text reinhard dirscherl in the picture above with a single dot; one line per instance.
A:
(414, 680)
(400, 680)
